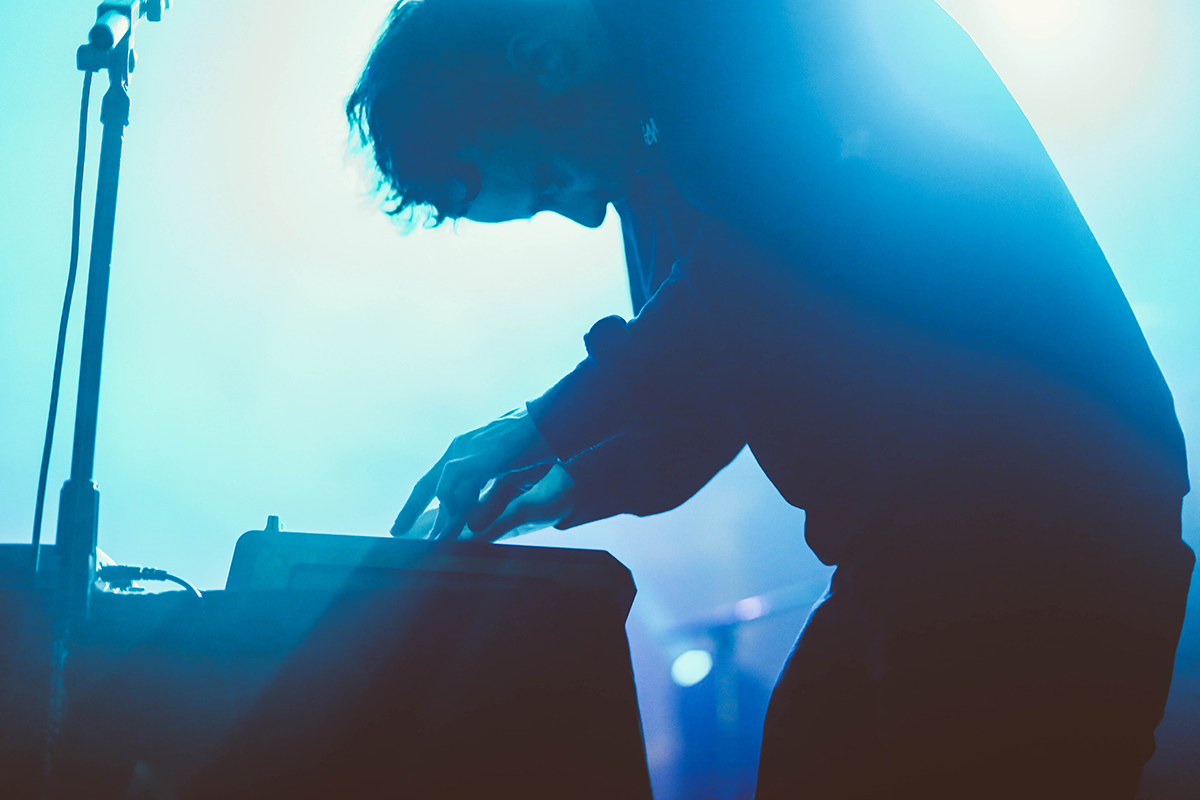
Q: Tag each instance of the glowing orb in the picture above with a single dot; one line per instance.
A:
(691, 667)
(1038, 19)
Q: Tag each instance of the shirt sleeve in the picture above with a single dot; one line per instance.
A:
(680, 359)
(648, 471)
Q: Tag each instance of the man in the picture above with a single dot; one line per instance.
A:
(848, 249)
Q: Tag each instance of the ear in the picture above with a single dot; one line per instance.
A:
(550, 61)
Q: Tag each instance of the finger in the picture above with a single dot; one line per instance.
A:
(421, 528)
(519, 512)
(420, 497)
(458, 493)
(439, 522)
(493, 503)
(451, 528)
(455, 498)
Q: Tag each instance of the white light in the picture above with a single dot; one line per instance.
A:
(691, 667)
(1038, 19)
(750, 608)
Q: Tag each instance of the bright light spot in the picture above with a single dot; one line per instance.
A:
(750, 608)
(1038, 19)
(691, 667)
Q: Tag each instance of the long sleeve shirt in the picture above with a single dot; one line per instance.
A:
(882, 286)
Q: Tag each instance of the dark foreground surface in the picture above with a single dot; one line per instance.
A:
(507, 677)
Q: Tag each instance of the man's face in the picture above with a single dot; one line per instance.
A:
(575, 172)
(518, 181)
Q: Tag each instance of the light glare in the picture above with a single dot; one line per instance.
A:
(691, 667)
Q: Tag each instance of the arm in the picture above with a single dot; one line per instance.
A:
(678, 366)
(647, 472)
(639, 472)
(683, 360)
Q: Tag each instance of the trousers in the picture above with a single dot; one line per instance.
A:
(942, 668)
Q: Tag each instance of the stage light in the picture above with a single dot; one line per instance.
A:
(1038, 19)
(691, 667)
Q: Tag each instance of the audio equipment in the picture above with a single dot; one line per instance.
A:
(339, 666)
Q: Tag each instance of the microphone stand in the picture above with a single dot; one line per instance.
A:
(110, 48)
(79, 501)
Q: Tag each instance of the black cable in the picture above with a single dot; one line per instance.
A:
(62, 323)
(121, 576)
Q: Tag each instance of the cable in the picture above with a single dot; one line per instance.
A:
(122, 576)
(62, 323)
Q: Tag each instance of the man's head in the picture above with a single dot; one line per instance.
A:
(497, 109)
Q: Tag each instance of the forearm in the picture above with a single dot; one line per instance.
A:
(650, 471)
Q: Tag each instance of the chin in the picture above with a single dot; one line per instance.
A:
(596, 221)
(590, 217)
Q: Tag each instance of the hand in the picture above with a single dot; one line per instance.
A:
(511, 505)
(542, 505)
(472, 462)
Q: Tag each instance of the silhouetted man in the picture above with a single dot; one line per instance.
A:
(848, 249)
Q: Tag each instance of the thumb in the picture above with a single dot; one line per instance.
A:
(520, 512)
(497, 498)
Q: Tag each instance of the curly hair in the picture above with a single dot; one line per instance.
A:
(439, 73)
